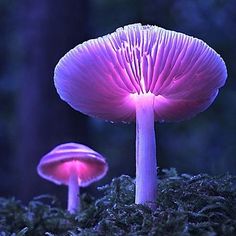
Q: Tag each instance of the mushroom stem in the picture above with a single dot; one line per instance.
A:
(146, 172)
(73, 193)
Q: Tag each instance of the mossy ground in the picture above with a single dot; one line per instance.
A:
(187, 205)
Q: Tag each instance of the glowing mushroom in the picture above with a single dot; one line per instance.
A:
(75, 165)
(143, 74)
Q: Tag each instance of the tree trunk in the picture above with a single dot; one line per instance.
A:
(46, 31)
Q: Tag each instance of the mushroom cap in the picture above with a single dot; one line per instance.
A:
(102, 77)
(57, 165)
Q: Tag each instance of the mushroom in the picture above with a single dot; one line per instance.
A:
(143, 74)
(75, 165)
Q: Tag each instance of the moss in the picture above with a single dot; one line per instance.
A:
(187, 205)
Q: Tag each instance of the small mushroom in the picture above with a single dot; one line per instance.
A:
(74, 165)
(143, 74)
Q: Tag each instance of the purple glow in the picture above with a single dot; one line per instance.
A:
(72, 164)
(114, 77)
(98, 76)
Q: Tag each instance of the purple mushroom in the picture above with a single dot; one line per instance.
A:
(143, 74)
(75, 165)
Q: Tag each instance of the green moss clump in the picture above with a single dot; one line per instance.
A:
(187, 205)
(43, 214)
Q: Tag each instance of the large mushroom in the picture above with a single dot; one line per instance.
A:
(74, 165)
(143, 74)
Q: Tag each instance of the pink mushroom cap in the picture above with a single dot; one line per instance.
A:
(56, 166)
(102, 77)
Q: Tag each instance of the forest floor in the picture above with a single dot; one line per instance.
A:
(187, 205)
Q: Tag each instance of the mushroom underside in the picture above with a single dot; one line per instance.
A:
(87, 171)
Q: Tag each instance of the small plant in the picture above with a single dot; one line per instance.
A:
(74, 165)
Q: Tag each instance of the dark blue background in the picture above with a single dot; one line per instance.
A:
(36, 34)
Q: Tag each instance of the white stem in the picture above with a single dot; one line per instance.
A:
(73, 193)
(146, 165)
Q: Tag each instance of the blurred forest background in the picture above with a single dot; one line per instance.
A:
(34, 35)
